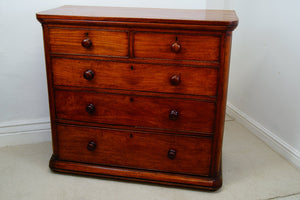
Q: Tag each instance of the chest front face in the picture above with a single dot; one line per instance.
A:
(138, 96)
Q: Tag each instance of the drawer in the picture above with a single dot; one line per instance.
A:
(160, 152)
(136, 111)
(89, 42)
(138, 77)
(177, 46)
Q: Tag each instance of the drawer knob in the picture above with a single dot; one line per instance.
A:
(88, 74)
(176, 47)
(86, 43)
(90, 108)
(175, 80)
(173, 115)
(91, 146)
(172, 154)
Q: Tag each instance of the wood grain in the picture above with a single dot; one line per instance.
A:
(135, 149)
(138, 77)
(138, 94)
(136, 111)
(192, 47)
(153, 15)
(179, 180)
(104, 42)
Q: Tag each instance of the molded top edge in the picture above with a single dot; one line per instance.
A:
(150, 15)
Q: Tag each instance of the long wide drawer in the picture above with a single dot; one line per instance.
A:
(137, 111)
(161, 152)
(111, 43)
(141, 77)
(198, 47)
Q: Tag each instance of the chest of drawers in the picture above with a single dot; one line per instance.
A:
(138, 94)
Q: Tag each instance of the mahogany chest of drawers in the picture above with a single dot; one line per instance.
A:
(138, 94)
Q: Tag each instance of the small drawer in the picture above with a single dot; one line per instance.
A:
(138, 77)
(177, 46)
(110, 43)
(142, 150)
(136, 111)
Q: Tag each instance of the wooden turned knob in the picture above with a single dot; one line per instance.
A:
(90, 108)
(173, 115)
(172, 154)
(86, 43)
(175, 80)
(91, 146)
(176, 47)
(88, 74)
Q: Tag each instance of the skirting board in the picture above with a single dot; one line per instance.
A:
(25, 132)
(272, 140)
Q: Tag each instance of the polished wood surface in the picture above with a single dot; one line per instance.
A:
(135, 149)
(131, 76)
(89, 42)
(190, 16)
(176, 46)
(88, 74)
(138, 94)
(136, 111)
(175, 79)
(171, 179)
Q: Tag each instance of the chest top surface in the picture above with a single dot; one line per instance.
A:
(151, 15)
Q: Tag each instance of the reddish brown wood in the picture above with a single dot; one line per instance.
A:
(90, 108)
(173, 115)
(88, 74)
(192, 46)
(91, 146)
(221, 104)
(176, 47)
(142, 150)
(100, 42)
(139, 93)
(86, 43)
(138, 96)
(224, 18)
(136, 111)
(142, 77)
(50, 89)
(175, 80)
(180, 180)
(172, 154)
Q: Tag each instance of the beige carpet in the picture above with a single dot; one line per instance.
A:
(251, 170)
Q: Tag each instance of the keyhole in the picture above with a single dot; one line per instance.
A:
(131, 67)
(131, 99)
(176, 38)
(131, 136)
(86, 34)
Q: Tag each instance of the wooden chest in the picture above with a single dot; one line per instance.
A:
(138, 94)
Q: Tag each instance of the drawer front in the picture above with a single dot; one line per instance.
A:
(177, 46)
(161, 152)
(139, 111)
(140, 77)
(89, 42)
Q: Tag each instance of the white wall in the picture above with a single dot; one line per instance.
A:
(24, 100)
(215, 4)
(264, 84)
